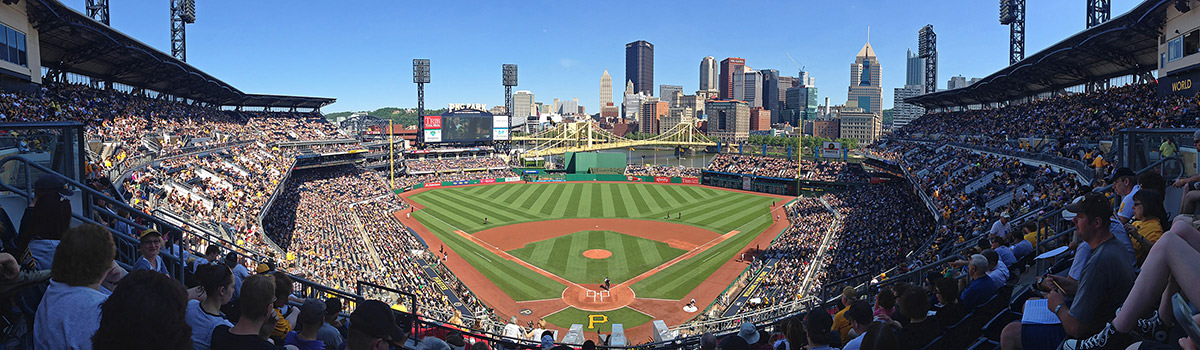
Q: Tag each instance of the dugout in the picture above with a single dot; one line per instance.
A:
(582, 163)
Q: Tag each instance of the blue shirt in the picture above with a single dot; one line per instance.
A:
(1006, 255)
(202, 324)
(330, 336)
(978, 292)
(1022, 248)
(293, 338)
(67, 317)
(143, 264)
(239, 273)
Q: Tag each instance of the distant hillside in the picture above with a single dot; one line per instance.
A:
(403, 116)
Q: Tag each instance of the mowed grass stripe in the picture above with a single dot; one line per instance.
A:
(550, 199)
(619, 268)
(596, 204)
(720, 208)
(639, 208)
(532, 198)
(593, 267)
(520, 283)
(672, 193)
(692, 194)
(484, 206)
(495, 214)
(510, 194)
(454, 215)
(615, 203)
(647, 251)
(655, 198)
(677, 280)
(568, 205)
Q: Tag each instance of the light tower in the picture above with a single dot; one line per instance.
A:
(927, 49)
(1098, 11)
(98, 10)
(508, 77)
(421, 77)
(183, 12)
(1012, 13)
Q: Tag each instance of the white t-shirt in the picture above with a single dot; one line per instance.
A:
(512, 330)
(1126, 210)
(1000, 229)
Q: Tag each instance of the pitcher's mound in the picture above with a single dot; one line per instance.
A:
(597, 254)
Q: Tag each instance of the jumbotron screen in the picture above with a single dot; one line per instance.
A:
(458, 128)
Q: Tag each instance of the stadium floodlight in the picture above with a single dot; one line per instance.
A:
(421, 70)
(188, 11)
(509, 72)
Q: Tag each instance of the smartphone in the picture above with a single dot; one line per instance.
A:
(1183, 316)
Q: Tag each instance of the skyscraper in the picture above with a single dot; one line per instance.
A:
(605, 90)
(807, 79)
(770, 91)
(666, 93)
(748, 86)
(708, 74)
(915, 74)
(523, 104)
(639, 66)
(864, 81)
(904, 113)
(729, 68)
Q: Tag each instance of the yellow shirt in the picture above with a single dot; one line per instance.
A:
(842, 325)
(282, 326)
(1032, 237)
(1151, 230)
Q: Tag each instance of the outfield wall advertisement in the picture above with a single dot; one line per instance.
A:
(565, 178)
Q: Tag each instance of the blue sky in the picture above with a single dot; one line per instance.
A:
(360, 52)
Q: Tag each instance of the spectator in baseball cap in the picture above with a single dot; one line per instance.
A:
(312, 315)
(373, 327)
(151, 243)
(45, 220)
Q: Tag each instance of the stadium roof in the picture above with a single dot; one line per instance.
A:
(1122, 46)
(74, 43)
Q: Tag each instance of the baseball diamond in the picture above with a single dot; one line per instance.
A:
(529, 241)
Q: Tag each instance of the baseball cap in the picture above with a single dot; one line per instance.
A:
(374, 318)
(49, 182)
(142, 235)
(1092, 204)
(1196, 136)
(333, 306)
(312, 311)
(1122, 172)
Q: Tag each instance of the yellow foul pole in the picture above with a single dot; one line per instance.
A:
(391, 158)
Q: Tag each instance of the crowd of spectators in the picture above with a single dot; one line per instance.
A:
(438, 165)
(832, 171)
(792, 252)
(754, 165)
(412, 180)
(881, 224)
(661, 170)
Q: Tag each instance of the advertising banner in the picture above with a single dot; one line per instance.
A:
(662, 179)
(633, 178)
(499, 128)
(691, 180)
(433, 135)
(745, 183)
(487, 181)
(512, 179)
(433, 184)
(831, 149)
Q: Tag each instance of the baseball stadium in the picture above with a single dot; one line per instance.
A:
(152, 205)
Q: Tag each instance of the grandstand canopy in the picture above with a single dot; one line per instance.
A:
(72, 42)
(1122, 46)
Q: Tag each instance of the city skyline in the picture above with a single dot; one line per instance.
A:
(357, 53)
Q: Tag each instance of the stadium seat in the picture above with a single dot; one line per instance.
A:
(985, 344)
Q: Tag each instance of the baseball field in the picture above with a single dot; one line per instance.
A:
(550, 246)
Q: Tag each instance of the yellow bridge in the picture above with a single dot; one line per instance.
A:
(588, 136)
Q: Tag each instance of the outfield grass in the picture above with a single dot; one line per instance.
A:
(627, 317)
(464, 208)
(563, 256)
